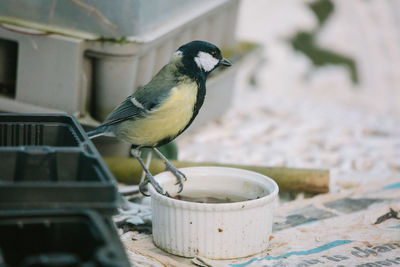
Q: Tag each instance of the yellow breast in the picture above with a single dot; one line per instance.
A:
(167, 120)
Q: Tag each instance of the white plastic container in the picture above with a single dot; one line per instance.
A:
(110, 19)
(72, 70)
(216, 231)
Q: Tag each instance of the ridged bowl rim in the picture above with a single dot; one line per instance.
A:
(246, 174)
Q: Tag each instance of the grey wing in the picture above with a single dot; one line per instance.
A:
(146, 98)
(125, 111)
(137, 105)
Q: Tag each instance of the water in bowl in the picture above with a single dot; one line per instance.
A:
(211, 197)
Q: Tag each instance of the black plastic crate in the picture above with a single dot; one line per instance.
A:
(58, 238)
(47, 161)
(39, 130)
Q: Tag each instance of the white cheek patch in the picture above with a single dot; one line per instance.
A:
(206, 61)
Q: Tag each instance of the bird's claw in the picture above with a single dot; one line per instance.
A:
(179, 176)
(143, 188)
(183, 175)
(180, 186)
(153, 182)
(169, 167)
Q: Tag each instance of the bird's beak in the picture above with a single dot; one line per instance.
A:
(225, 62)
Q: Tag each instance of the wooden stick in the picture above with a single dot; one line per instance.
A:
(128, 170)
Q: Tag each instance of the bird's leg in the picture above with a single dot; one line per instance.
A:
(148, 161)
(150, 178)
(169, 167)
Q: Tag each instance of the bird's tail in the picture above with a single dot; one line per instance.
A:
(99, 131)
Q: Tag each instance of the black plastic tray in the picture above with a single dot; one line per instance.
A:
(40, 130)
(58, 238)
(47, 161)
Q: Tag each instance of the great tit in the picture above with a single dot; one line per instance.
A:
(161, 110)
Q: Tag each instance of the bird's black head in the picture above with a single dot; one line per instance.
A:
(201, 57)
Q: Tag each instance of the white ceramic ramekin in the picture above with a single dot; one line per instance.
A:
(215, 231)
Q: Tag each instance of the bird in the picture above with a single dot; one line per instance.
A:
(158, 112)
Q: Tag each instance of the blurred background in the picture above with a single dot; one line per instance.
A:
(324, 93)
(315, 83)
